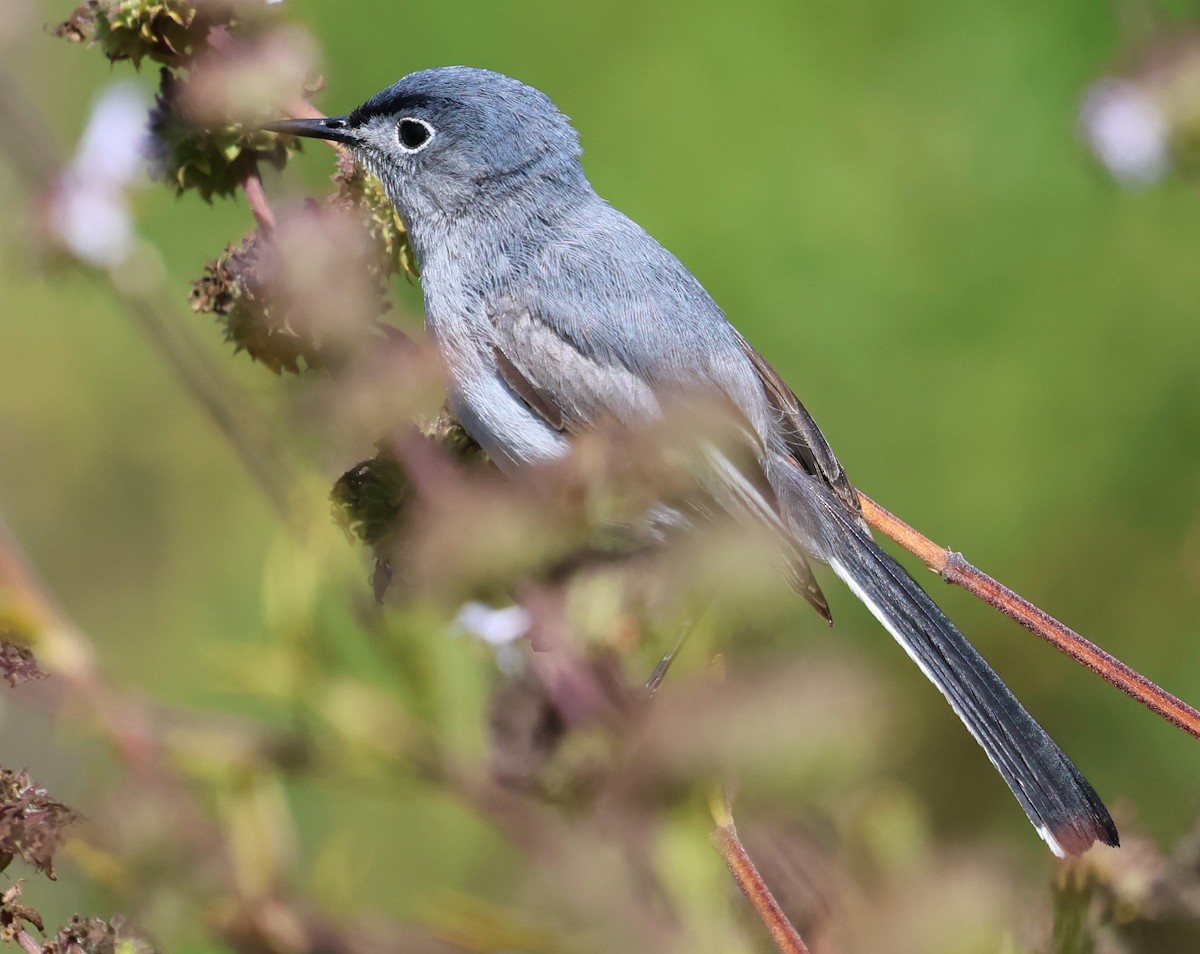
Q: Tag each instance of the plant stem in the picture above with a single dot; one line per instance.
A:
(954, 568)
(260, 208)
(787, 939)
(28, 944)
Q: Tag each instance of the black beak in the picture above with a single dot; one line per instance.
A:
(334, 128)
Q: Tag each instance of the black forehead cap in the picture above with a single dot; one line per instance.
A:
(448, 87)
(394, 102)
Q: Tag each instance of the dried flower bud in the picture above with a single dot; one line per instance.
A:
(31, 821)
(167, 31)
(97, 936)
(369, 498)
(213, 160)
(17, 664)
(231, 289)
(312, 294)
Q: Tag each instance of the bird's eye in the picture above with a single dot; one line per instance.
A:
(414, 134)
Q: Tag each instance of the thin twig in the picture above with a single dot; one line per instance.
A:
(954, 568)
(27, 942)
(664, 664)
(28, 139)
(787, 939)
(243, 427)
(260, 208)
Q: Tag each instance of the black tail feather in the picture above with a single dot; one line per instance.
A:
(1063, 807)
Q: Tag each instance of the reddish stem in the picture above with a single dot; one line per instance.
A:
(260, 208)
(787, 939)
(955, 569)
(28, 944)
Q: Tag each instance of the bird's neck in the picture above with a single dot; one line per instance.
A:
(499, 220)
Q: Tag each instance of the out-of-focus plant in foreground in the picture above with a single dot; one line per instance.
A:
(587, 794)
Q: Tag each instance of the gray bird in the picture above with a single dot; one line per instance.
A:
(554, 311)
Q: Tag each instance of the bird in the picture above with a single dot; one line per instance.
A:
(553, 311)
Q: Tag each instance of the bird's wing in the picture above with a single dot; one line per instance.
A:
(804, 439)
(614, 321)
(572, 388)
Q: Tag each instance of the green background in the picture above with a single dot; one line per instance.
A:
(889, 200)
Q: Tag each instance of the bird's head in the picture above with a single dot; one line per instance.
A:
(446, 139)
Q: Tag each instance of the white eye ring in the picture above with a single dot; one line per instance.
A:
(413, 134)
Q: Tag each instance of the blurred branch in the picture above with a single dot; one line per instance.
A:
(245, 430)
(954, 568)
(31, 150)
(787, 939)
(27, 943)
(69, 654)
(260, 208)
(27, 140)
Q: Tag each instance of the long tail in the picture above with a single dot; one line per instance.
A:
(1063, 807)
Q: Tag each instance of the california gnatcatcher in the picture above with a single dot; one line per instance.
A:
(554, 311)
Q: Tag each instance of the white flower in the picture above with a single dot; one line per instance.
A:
(1126, 130)
(90, 212)
(496, 627)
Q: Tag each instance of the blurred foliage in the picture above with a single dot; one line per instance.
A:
(237, 286)
(1137, 900)
(211, 157)
(893, 204)
(372, 500)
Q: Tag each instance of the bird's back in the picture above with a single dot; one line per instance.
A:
(630, 308)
